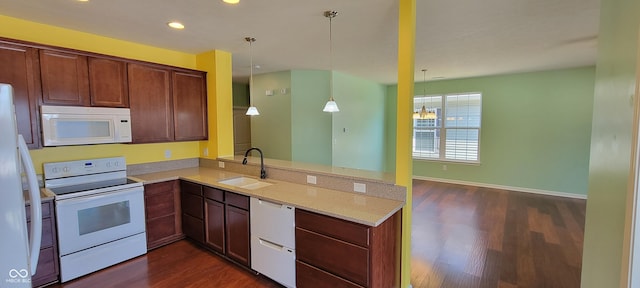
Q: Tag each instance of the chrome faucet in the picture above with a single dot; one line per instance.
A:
(263, 174)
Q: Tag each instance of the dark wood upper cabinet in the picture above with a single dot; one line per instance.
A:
(20, 68)
(189, 105)
(108, 82)
(150, 103)
(65, 78)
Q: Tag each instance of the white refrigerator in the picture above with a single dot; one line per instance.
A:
(18, 253)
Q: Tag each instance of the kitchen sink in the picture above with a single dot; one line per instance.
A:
(245, 182)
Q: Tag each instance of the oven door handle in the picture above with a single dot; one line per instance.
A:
(98, 197)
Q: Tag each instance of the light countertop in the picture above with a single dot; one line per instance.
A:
(361, 209)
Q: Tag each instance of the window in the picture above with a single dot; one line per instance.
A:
(454, 134)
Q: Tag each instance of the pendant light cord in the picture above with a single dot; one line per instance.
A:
(251, 72)
(330, 15)
(331, 59)
(250, 40)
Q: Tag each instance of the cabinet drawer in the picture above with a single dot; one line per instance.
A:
(309, 276)
(273, 221)
(192, 205)
(213, 193)
(191, 188)
(343, 259)
(341, 229)
(237, 200)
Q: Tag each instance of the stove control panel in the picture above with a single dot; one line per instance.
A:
(56, 170)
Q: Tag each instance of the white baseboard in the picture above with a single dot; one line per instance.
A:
(503, 187)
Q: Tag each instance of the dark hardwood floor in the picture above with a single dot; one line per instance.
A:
(463, 237)
(181, 264)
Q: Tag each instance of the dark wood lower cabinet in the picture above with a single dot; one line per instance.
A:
(224, 224)
(163, 213)
(346, 254)
(214, 222)
(238, 231)
(48, 264)
(192, 204)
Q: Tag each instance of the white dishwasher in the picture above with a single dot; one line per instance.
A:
(273, 241)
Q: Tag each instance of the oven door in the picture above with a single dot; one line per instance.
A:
(92, 220)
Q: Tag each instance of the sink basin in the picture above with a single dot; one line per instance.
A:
(245, 182)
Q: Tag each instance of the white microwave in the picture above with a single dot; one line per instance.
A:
(73, 125)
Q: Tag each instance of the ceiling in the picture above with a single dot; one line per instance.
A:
(454, 38)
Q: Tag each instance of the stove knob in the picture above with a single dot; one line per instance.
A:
(116, 164)
(66, 169)
(55, 170)
(108, 164)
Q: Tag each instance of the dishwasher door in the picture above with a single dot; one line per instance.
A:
(274, 261)
(273, 241)
(273, 222)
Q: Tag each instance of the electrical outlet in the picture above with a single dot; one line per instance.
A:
(360, 187)
(444, 167)
(311, 179)
(205, 151)
(167, 154)
(220, 164)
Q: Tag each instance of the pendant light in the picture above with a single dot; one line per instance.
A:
(331, 105)
(424, 113)
(252, 111)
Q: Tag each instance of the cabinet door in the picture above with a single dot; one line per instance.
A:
(65, 78)
(108, 82)
(189, 105)
(238, 241)
(214, 225)
(150, 103)
(162, 208)
(20, 68)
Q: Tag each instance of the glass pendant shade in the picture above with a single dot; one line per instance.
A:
(252, 111)
(331, 106)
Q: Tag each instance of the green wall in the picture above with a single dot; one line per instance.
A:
(353, 137)
(310, 127)
(358, 129)
(611, 144)
(240, 95)
(271, 130)
(536, 130)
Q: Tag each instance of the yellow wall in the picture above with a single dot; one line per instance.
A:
(220, 102)
(135, 153)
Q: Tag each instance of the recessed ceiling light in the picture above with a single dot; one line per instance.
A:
(175, 25)
(82, 0)
(231, 1)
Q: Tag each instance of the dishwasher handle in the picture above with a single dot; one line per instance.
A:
(275, 205)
